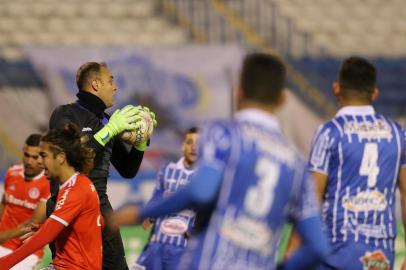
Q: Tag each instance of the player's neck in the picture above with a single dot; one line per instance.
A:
(257, 105)
(353, 102)
(188, 165)
(31, 177)
(65, 174)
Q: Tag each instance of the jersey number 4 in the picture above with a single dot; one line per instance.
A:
(259, 198)
(369, 164)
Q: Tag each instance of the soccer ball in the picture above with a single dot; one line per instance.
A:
(142, 133)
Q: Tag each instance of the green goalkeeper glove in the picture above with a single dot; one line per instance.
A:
(152, 114)
(122, 119)
(142, 146)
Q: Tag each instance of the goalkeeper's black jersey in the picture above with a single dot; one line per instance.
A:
(88, 114)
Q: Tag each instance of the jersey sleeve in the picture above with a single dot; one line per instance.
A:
(322, 148)
(305, 204)
(403, 144)
(159, 186)
(68, 206)
(215, 145)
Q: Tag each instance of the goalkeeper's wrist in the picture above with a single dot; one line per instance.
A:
(104, 135)
(141, 146)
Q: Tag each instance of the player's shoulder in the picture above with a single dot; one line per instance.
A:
(43, 181)
(218, 129)
(15, 170)
(65, 108)
(331, 128)
(83, 180)
(391, 121)
(82, 186)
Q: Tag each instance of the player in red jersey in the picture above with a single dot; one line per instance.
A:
(25, 193)
(76, 223)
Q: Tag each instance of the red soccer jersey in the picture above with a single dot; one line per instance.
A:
(22, 197)
(79, 245)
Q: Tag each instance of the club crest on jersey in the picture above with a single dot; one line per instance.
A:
(375, 260)
(174, 226)
(12, 187)
(365, 201)
(33, 193)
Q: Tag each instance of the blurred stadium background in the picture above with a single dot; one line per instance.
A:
(181, 58)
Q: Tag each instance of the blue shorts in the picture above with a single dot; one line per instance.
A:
(157, 256)
(358, 256)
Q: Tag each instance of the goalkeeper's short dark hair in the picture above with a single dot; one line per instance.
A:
(262, 78)
(87, 72)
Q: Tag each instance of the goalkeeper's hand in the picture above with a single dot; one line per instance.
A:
(143, 145)
(151, 113)
(123, 119)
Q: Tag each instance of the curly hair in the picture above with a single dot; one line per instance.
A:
(68, 140)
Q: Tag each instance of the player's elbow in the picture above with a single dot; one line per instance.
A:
(128, 173)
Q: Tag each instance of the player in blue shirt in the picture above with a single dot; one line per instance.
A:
(252, 180)
(170, 233)
(357, 160)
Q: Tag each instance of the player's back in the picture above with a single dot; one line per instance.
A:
(262, 179)
(79, 245)
(361, 152)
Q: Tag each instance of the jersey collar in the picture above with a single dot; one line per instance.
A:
(37, 177)
(91, 102)
(356, 110)
(181, 165)
(258, 116)
(71, 180)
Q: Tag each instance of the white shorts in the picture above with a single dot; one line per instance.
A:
(28, 263)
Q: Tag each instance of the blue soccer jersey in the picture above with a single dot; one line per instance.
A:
(361, 152)
(172, 228)
(264, 184)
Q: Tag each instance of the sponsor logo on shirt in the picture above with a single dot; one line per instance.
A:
(369, 130)
(86, 129)
(248, 233)
(24, 203)
(375, 260)
(365, 201)
(62, 200)
(33, 193)
(174, 226)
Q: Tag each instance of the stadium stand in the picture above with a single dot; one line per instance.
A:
(314, 37)
(70, 23)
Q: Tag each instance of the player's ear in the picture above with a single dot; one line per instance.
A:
(61, 157)
(375, 94)
(95, 84)
(282, 98)
(336, 89)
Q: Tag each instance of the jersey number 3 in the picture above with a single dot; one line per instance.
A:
(259, 198)
(369, 164)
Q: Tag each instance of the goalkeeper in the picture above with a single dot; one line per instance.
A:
(96, 93)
